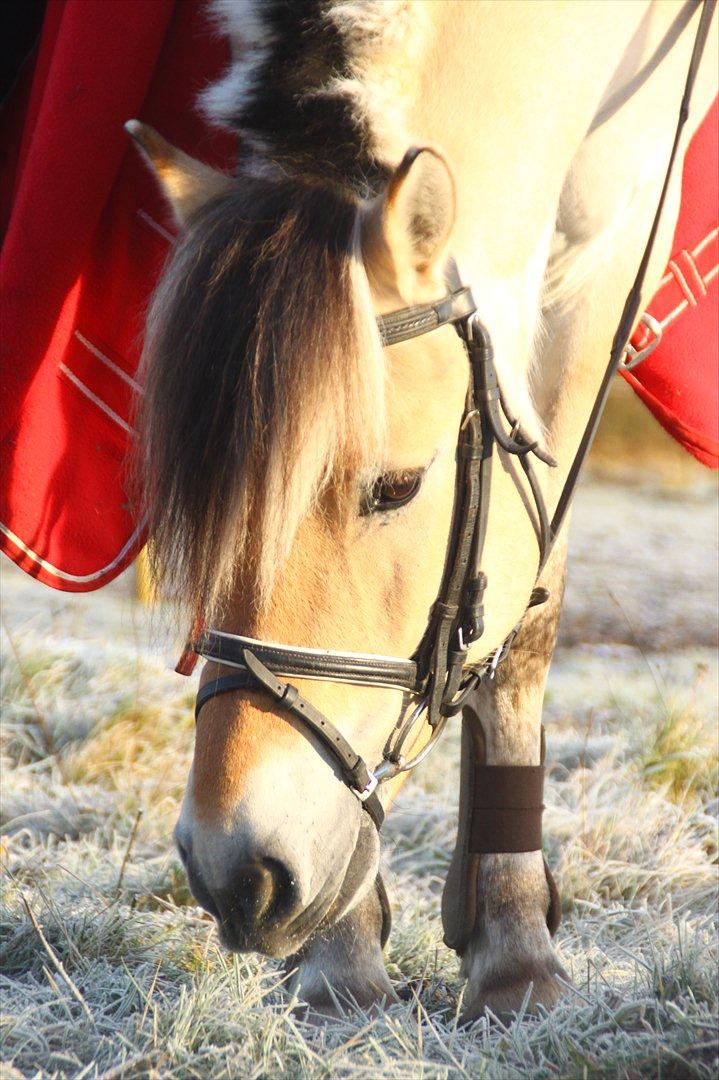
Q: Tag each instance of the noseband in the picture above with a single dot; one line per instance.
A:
(438, 676)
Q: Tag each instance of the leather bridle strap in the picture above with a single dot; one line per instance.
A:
(327, 665)
(256, 676)
(411, 322)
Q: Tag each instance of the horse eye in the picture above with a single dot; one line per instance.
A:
(392, 491)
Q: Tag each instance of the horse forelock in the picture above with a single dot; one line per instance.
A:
(264, 376)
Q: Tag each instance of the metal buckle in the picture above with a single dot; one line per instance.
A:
(502, 652)
(497, 658)
(366, 792)
(633, 357)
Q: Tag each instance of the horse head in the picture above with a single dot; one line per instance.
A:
(300, 483)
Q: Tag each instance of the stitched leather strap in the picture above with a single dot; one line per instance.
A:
(223, 685)
(325, 664)
(255, 676)
(413, 321)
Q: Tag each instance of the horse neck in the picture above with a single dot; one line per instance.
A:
(539, 198)
(507, 93)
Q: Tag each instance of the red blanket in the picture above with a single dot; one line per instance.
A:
(679, 382)
(86, 235)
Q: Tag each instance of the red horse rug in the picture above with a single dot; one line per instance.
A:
(86, 234)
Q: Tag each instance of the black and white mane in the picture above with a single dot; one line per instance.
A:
(311, 87)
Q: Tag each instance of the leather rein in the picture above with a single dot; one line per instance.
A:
(437, 675)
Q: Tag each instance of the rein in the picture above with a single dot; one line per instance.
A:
(437, 675)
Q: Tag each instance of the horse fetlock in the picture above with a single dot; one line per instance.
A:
(343, 967)
(510, 949)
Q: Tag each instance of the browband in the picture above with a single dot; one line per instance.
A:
(411, 322)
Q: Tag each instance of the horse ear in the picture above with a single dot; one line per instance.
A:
(186, 183)
(410, 224)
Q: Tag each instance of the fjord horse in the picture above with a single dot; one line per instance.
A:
(300, 478)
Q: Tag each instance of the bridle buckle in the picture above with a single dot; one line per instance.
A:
(368, 789)
(463, 646)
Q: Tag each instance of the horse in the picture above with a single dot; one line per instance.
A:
(299, 463)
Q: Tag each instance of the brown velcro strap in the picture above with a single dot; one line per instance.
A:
(507, 809)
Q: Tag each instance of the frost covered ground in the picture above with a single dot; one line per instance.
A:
(108, 969)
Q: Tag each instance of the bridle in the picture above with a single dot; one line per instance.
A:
(437, 675)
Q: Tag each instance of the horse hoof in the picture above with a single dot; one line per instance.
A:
(504, 995)
(327, 1003)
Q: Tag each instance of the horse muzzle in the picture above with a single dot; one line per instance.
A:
(263, 904)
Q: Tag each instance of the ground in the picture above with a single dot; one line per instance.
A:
(108, 968)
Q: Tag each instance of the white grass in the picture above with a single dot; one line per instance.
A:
(123, 976)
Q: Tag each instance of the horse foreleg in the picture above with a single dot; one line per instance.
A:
(343, 965)
(499, 907)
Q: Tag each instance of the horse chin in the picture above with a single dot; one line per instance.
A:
(361, 872)
(329, 905)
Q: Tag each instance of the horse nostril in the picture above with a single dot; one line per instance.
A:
(260, 889)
